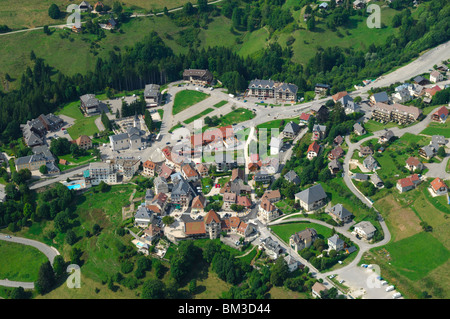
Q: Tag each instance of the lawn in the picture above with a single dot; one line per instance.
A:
(285, 231)
(234, 117)
(438, 129)
(221, 103)
(196, 117)
(20, 262)
(374, 126)
(83, 125)
(186, 98)
(71, 110)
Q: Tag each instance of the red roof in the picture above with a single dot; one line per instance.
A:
(314, 147)
(339, 95)
(210, 216)
(244, 201)
(267, 205)
(405, 182)
(149, 165)
(189, 171)
(437, 183)
(442, 111)
(194, 228)
(432, 91)
(305, 117)
(413, 161)
(234, 222)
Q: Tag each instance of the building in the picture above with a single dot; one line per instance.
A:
(335, 243)
(338, 140)
(264, 89)
(413, 164)
(360, 177)
(365, 230)
(291, 130)
(319, 132)
(134, 138)
(161, 185)
(358, 4)
(428, 151)
(313, 150)
(334, 166)
(376, 180)
(436, 76)
(336, 97)
(189, 173)
(348, 104)
(292, 177)
(430, 92)
(319, 88)
(311, 198)
(83, 142)
(386, 136)
(143, 216)
(408, 183)
(203, 170)
(365, 151)
(31, 162)
(336, 153)
(272, 196)
(317, 289)
(198, 76)
(439, 187)
(181, 195)
(370, 163)
(440, 115)
(152, 95)
(304, 118)
(89, 104)
(420, 80)
(438, 140)
(35, 130)
(85, 6)
(303, 239)
(399, 113)
(340, 214)
(267, 211)
(148, 168)
(359, 129)
(380, 97)
(271, 247)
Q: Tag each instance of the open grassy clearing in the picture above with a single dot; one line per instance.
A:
(438, 129)
(196, 117)
(285, 231)
(20, 262)
(186, 98)
(221, 103)
(237, 116)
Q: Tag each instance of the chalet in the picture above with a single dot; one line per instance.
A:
(264, 89)
(370, 163)
(402, 94)
(358, 129)
(161, 185)
(360, 177)
(430, 92)
(334, 166)
(442, 68)
(340, 214)
(365, 151)
(323, 6)
(89, 104)
(143, 216)
(291, 130)
(440, 115)
(292, 177)
(228, 200)
(376, 181)
(198, 203)
(348, 104)
(319, 132)
(338, 140)
(311, 198)
(365, 229)
(166, 171)
(292, 263)
(271, 247)
(313, 150)
(438, 140)
(158, 203)
(152, 95)
(386, 136)
(189, 173)
(84, 142)
(319, 88)
(198, 76)
(420, 80)
(436, 76)
(84, 6)
(317, 289)
(303, 239)
(319, 110)
(272, 195)
(380, 97)
(408, 183)
(439, 187)
(428, 151)
(203, 170)
(413, 164)
(243, 201)
(335, 243)
(262, 177)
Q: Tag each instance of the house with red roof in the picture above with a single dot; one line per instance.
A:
(439, 187)
(304, 118)
(440, 115)
(313, 150)
(408, 183)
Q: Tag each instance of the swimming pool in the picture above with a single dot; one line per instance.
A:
(76, 186)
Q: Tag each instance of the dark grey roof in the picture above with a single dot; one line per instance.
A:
(181, 188)
(360, 176)
(429, 150)
(152, 90)
(312, 194)
(261, 83)
(340, 211)
(419, 79)
(292, 177)
(325, 86)
(143, 213)
(438, 139)
(319, 128)
(370, 162)
(119, 137)
(89, 100)
(29, 159)
(388, 134)
(44, 151)
(335, 164)
(381, 97)
(335, 240)
(292, 127)
(358, 127)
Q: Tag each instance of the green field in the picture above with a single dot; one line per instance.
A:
(186, 98)
(20, 262)
(83, 125)
(221, 103)
(438, 129)
(237, 116)
(196, 117)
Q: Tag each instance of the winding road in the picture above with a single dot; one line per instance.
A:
(48, 251)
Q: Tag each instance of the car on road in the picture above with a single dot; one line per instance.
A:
(167, 143)
(341, 281)
(7, 236)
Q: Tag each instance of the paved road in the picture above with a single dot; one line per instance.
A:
(48, 251)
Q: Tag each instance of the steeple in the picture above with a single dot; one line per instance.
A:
(136, 121)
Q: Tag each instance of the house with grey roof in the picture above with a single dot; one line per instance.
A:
(348, 104)
(370, 163)
(292, 263)
(360, 177)
(386, 136)
(291, 130)
(379, 97)
(438, 140)
(428, 151)
(181, 195)
(303, 239)
(335, 243)
(161, 185)
(312, 198)
(143, 216)
(365, 229)
(334, 166)
(359, 129)
(376, 180)
(89, 104)
(152, 95)
(319, 132)
(262, 177)
(292, 177)
(271, 247)
(340, 214)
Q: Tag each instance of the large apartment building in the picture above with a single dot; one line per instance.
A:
(399, 113)
(264, 89)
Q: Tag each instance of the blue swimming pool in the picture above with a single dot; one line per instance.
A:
(76, 186)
